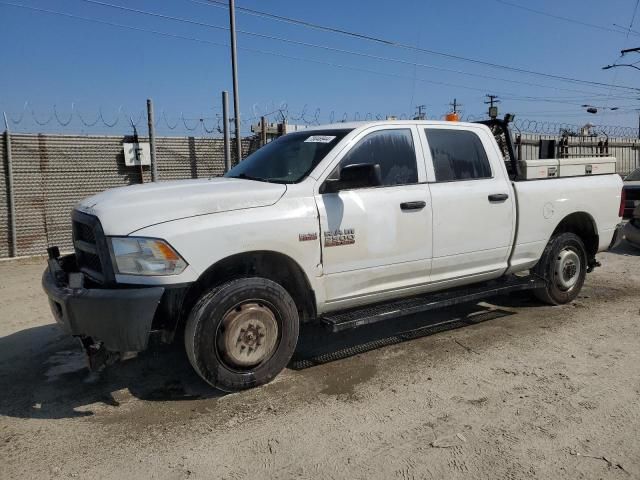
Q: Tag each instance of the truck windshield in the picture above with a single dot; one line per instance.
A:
(290, 158)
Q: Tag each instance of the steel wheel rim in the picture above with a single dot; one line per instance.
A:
(567, 269)
(248, 335)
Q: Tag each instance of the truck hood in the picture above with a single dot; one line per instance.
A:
(126, 209)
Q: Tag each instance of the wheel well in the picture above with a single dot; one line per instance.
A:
(583, 225)
(272, 265)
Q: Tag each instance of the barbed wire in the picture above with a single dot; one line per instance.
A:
(63, 123)
(561, 128)
(29, 117)
(274, 113)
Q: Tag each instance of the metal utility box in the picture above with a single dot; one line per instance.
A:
(136, 154)
(566, 167)
(576, 167)
(537, 169)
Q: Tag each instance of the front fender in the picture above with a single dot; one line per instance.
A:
(289, 227)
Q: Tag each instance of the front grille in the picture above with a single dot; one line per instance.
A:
(91, 261)
(90, 245)
(84, 232)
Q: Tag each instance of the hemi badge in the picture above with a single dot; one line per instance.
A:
(305, 237)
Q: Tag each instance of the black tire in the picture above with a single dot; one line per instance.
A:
(207, 332)
(563, 253)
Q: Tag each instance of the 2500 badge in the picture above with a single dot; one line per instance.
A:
(336, 238)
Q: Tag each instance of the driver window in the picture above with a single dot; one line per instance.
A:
(392, 149)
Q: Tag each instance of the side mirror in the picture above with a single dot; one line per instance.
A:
(358, 175)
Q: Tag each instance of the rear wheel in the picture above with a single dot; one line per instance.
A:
(242, 334)
(564, 266)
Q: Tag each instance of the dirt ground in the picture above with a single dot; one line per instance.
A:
(511, 389)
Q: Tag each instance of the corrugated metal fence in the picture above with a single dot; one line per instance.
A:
(4, 203)
(51, 173)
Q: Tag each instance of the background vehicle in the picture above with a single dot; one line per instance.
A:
(632, 229)
(631, 192)
(347, 224)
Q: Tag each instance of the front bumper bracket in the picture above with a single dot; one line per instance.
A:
(120, 319)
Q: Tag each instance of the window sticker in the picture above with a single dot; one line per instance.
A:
(320, 139)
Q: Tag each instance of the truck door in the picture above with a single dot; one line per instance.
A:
(377, 240)
(473, 204)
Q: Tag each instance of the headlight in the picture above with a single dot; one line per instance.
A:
(145, 256)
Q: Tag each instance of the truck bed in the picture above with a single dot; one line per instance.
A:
(542, 204)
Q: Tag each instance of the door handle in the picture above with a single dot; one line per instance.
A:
(498, 197)
(419, 205)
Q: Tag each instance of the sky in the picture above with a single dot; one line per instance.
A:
(62, 73)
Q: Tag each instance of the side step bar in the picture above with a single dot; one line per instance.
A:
(357, 317)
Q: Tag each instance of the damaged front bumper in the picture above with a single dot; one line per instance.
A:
(117, 320)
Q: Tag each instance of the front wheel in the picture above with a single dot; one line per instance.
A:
(242, 334)
(564, 266)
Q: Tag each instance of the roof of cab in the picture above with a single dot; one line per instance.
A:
(365, 124)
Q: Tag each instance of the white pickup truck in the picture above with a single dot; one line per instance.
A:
(346, 224)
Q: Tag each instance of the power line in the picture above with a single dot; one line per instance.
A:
(626, 29)
(559, 17)
(393, 43)
(323, 47)
(319, 46)
(306, 44)
(291, 57)
(626, 38)
(550, 100)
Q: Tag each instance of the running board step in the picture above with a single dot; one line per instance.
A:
(357, 317)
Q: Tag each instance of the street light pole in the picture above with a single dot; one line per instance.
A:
(615, 65)
(628, 50)
(234, 67)
(607, 67)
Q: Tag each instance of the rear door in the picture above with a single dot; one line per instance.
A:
(378, 240)
(472, 202)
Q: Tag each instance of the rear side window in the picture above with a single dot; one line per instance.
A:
(393, 150)
(457, 155)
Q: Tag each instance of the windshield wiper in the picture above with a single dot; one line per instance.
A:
(244, 176)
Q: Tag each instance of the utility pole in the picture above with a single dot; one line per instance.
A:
(152, 140)
(455, 106)
(234, 68)
(453, 115)
(421, 112)
(10, 188)
(225, 130)
(493, 110)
